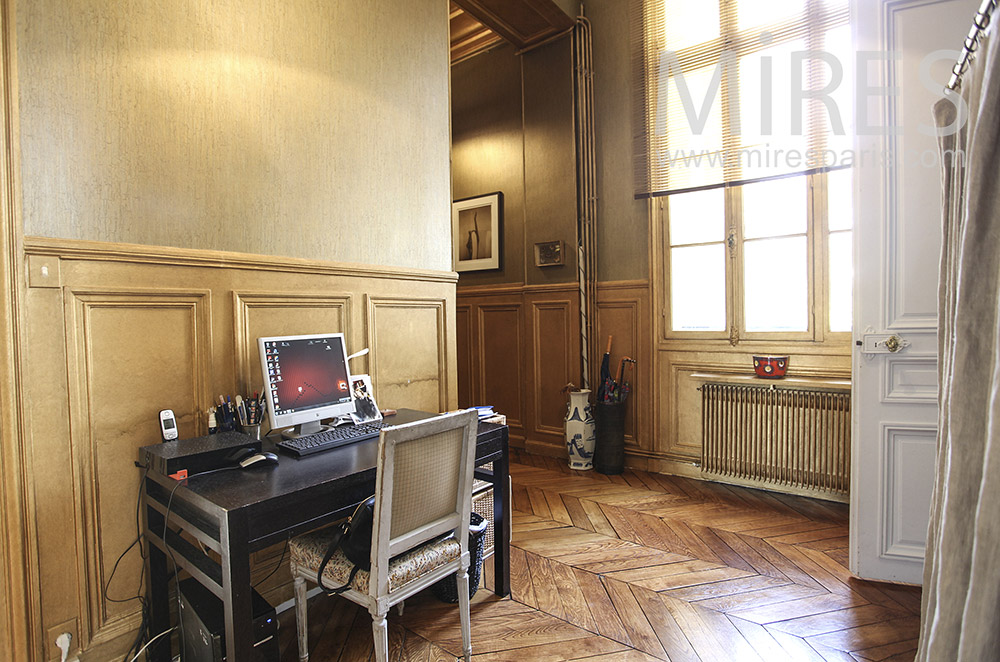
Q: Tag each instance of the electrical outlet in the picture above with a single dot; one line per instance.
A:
(52, 651)
(43, 271)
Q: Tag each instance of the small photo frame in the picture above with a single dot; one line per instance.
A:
(549, 254)
(477, 226)
(365, 409)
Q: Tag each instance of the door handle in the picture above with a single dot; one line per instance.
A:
(882, 343)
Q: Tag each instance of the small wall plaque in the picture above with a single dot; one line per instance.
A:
(549, 254)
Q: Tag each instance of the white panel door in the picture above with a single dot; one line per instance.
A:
(897, 242)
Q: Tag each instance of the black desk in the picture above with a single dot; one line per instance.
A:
(235, 513)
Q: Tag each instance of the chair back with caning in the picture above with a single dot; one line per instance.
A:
(423, 488)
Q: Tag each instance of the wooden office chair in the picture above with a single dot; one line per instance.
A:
(423, 499)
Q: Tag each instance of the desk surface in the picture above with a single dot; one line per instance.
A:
(261, 492)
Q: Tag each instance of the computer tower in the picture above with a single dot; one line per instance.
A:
(204, 638)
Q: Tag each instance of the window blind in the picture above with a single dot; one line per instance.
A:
(730, 91)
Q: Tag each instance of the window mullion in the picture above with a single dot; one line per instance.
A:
(663, 219)
(816, 227)
(734, 275)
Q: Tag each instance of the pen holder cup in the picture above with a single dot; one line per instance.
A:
(252, 430)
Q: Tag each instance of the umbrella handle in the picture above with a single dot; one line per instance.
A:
(621, 367)
(608, 350)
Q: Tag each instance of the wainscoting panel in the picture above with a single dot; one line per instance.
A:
(263, 314)
(525, 346)
(623, 314)
(131, 330)
(500, 356)
(554, 321)
(127, 346)
(408, 359)
(464, 344)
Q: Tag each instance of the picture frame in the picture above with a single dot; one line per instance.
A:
(365, 409)
(549, 254)
(477, 228)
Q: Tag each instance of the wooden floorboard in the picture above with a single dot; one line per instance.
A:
(642, 567)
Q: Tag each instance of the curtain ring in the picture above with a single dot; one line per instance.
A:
(981, 20)
(971, 44)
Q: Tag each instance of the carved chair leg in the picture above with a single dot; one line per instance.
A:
(381, 631)
(463, 612)
(301, 622)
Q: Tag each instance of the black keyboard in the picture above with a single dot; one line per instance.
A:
(332, 438)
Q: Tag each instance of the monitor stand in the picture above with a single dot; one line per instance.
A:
(303, 430)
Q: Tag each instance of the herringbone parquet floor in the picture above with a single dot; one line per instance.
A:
(649, 567)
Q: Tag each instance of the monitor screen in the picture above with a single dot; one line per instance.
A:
(306, 379)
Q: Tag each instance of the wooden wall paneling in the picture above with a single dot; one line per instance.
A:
(55, 512)
(131, 353)
(501, 359)
(262, 314)
(623, 312)
(177, 347)
(465, 350)
(20, 605)
(682, 440)
(526, 347)
(408, 362)
(554, 361)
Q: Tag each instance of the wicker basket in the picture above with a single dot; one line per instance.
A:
(482, 503)
(446, 590)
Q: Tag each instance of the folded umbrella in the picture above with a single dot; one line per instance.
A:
(606, 383)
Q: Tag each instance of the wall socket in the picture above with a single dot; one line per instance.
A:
(52, 651)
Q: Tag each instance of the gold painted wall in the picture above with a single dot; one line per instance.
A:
(622, 221)
(488, 148)
(512, 130)
(303, 128)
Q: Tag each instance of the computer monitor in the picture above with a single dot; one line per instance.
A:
(306, 380)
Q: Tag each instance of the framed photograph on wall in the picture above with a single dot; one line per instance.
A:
(477, 226)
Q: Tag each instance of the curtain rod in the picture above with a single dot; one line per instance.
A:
(979, 24)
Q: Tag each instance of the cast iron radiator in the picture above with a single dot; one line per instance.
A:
(780, 437)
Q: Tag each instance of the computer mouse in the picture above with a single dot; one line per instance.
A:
(259, 459)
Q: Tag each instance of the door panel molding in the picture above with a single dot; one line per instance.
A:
(908, 451)
(898, 314)
(910, 379)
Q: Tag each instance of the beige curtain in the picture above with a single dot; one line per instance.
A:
(961, 597)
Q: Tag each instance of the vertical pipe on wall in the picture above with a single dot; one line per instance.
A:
(586, 170)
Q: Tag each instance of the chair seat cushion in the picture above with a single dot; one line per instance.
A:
(307, 552)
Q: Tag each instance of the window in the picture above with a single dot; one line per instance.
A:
(761, 260)
(746, 108)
